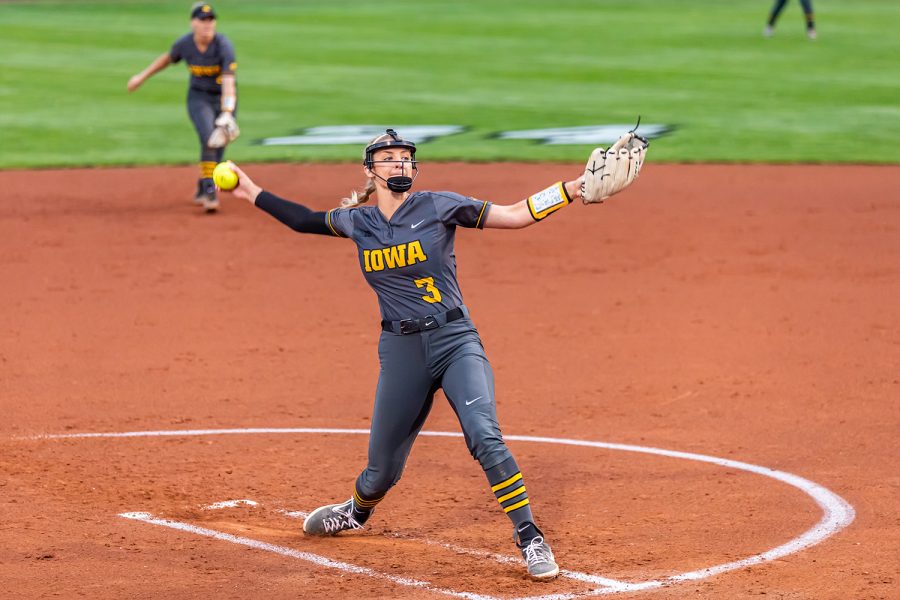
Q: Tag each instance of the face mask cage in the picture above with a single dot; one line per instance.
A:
(393, 142)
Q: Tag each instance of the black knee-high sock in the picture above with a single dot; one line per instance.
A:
(205, 184)
(363, 507)
(808, 13)
(509, 488)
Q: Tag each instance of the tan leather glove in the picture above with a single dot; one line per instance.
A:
(226, 131)
(610, 171)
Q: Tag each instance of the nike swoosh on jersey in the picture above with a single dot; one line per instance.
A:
(417, 224)
(468, 402)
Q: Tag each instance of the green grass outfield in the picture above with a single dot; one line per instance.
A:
(701, 66)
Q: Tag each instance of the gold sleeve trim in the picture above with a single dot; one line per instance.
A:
(330, 226)
(480, 215)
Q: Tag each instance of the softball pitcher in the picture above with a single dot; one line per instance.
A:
(405, 243)
(212, 92)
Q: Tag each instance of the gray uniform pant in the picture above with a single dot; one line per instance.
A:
(413, 368)
(203, 108)
(779, 6)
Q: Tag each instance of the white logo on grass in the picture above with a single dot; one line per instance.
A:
(361, 134)
(334, 135)
(588, 134)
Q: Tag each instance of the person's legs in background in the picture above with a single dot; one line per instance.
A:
(773, 16)
(202, 108)
(810, 19)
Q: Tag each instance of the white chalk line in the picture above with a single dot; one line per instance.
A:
(837, 513)
(198, 432)
(294, 514)
(315, 559)
(499, 558)
(229, 504)
(322, 561)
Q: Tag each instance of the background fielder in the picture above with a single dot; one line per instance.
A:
(212, 92)
(807, 14)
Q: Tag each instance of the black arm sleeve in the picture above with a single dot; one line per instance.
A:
(296, 216)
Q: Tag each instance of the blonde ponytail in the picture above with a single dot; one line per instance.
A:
(357, 199)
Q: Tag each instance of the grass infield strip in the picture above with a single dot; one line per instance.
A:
(491, 66)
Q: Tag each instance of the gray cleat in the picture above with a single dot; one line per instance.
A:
(331, 519)
(210, 202)
(539, 559)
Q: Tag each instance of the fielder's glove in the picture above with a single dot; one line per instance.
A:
(610, 171)
(226, 131)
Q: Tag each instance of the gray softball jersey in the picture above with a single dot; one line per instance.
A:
(409, 259)
(206, 68)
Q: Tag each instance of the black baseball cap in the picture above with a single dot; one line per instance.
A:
(202, 10)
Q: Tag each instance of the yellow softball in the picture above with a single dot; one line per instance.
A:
(224, 177)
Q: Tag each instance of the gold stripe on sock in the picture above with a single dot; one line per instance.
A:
(506, 483)
(365, 503)
(512, 494)
(206, 169)
(513, 507)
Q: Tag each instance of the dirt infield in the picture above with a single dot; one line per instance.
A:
(744, 313)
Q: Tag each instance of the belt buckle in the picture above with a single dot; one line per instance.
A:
(408, 326)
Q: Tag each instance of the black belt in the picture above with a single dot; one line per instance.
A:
(407, 326)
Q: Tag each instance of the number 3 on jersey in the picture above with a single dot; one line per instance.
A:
(428, 284)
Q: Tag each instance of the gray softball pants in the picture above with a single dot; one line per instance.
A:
(779, 6)
(413, 368)
(203, 108)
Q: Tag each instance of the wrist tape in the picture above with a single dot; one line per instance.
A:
(548, 201)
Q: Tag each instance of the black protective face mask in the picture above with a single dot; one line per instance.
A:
(400, 183)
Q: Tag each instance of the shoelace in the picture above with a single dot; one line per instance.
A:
(536, 552)
(344, 521)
